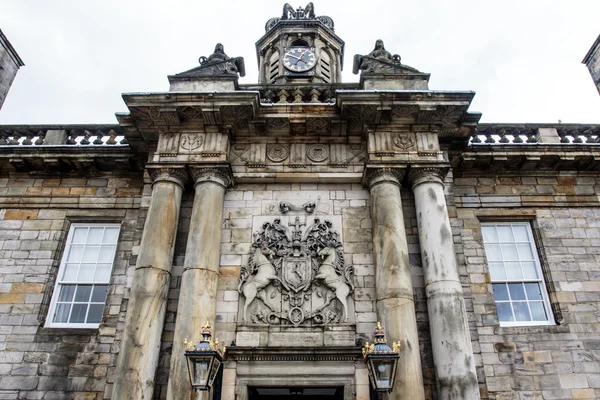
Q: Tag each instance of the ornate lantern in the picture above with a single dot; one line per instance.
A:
(204, 359)
(381, 361)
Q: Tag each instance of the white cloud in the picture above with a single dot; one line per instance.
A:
(523, 58)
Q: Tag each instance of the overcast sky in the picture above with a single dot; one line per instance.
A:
(522, 58)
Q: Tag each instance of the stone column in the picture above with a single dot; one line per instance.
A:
(393, 282)
(450, 339)
(198, 293)
(138, 358)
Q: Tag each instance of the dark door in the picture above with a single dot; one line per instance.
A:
(299, 393)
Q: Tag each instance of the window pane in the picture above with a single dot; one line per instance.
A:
(83, 293)
(497, 271)
(70, 272)
(489, 234)
(504, 312)
(95, 236)
(62, 313)
(66, 293)
(106, 254)
(533, 291)
(520, 232)
(500, 291)
(525, 253)
(516, 291)
(509, 251)
(79, 235)
(530, 270)
(521, 311)
(86, 272)
(75, 253)
(110, 235)
(95, 314)
(505, 233)
(493, 252)
(538, 311)
(102, 273)
(90, 254)
(513, 270)
(78, 313)
(99, 293)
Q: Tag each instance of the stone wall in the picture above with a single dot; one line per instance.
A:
(537, 362)
(35, 214)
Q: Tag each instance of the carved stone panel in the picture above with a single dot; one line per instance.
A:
(296, 274)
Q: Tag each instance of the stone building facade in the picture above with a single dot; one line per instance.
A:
(293, 215)
(10, 62)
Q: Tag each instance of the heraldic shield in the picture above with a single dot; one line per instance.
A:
(296, 275)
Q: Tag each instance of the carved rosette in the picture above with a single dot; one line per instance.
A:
(277, 152)
(375, 176)
(177, 175)
(296, 275)
(219, 175)
(417, 176)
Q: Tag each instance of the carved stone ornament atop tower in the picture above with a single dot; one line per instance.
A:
(380, 61)
(300, 13)
(296, 275)
(217, 64)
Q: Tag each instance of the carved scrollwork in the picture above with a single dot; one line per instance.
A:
(191, 141)
(318, 152)
(169, 174)
(277, 152)
(375, 176)
(296, 275)
(416, 176)
(220, 176)
(403, 141)
(286, 206)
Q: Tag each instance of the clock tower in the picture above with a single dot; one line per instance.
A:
(300, 47)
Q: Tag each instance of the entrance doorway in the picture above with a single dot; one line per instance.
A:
(300, 393)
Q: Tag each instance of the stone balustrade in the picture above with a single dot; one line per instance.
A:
(84, 135)
(502, 134)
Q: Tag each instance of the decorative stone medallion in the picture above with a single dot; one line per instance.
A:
(403, 142)
(318, 152)
(191, 141)
(277, 152)
(296, 274)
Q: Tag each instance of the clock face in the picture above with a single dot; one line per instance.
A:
(299, 59)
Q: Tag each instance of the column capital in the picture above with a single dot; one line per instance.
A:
(218, 174)
(375, 176)
(419, 175)
(174, 174)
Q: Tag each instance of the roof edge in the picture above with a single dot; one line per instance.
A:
(591, 50)
(11, 50)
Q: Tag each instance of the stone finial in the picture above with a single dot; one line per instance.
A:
(306, 13)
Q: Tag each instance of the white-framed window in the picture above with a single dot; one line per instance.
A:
(82, 283)
(517, 280)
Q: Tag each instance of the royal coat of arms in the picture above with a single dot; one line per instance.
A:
(296, 276)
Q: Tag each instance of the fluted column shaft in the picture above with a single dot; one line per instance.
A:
(393, 282)
(140, 347)
(451, 342)
(198, 293)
